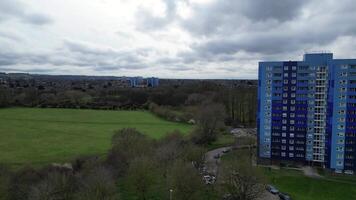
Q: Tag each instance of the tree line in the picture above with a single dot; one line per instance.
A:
(136, 167)
(174, 102)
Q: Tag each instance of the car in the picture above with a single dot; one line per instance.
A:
(209, 179)
(216, 156)
(226, 150)
(283, 196)
(272, 189)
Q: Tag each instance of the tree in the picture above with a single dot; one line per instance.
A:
(55, 186)
(22, 182)
(241, 180)
(185, 181)
(127, 144)
(97, 184)
(143, 178)
(210, 118)
(5, 177)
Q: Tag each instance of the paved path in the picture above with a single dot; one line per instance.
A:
(212, 166)
(212, 163)
(311, 172)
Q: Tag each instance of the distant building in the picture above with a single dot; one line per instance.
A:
(307, 111)
(143, 82)
(152, 82)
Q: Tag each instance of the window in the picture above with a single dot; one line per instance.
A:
(343, 74)
(294, 67)
(341, 127)
(286, 67)
(344, 67)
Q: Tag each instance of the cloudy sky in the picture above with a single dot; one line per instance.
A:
(169, 38)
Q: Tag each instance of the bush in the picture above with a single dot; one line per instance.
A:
(97, 184)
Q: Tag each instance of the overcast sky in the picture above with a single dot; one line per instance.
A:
(169, 38)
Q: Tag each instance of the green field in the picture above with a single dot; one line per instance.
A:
(300, 187)
(30, 136)
(305, 188)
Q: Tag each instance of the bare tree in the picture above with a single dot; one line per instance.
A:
(185, 181)
(55, 186)
(241, 180)
(210, 119)
(97, 184)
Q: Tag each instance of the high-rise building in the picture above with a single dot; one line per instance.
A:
(307, 112)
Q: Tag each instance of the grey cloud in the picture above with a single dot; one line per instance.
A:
(75, 54)
(10, 9)
(223, 17)
(265, 30)
(261, 10)
(37, 19)
(147, 21)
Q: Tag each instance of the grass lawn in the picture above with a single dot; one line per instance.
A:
(304, 188)
(41, 136)
(222, 141)
(301, 187)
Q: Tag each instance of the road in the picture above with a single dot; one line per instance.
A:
(211, 163)
(212, 166)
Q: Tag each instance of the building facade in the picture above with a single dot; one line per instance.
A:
(307, 111)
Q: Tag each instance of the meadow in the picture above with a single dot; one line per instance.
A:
(300, 187)
(33, 136)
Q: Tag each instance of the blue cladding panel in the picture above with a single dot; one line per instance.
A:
(298, 138)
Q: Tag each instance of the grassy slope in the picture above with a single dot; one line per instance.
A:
(40, 136)
(301, 187)
(304, 188)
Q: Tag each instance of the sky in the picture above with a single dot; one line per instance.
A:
(169, 38)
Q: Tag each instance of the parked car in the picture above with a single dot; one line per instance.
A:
(283, 196)
(272, 189)
(216, 156)
(226, 150)
(209, 179)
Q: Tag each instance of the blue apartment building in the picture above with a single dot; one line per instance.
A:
(307, 112)
(143, 82)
